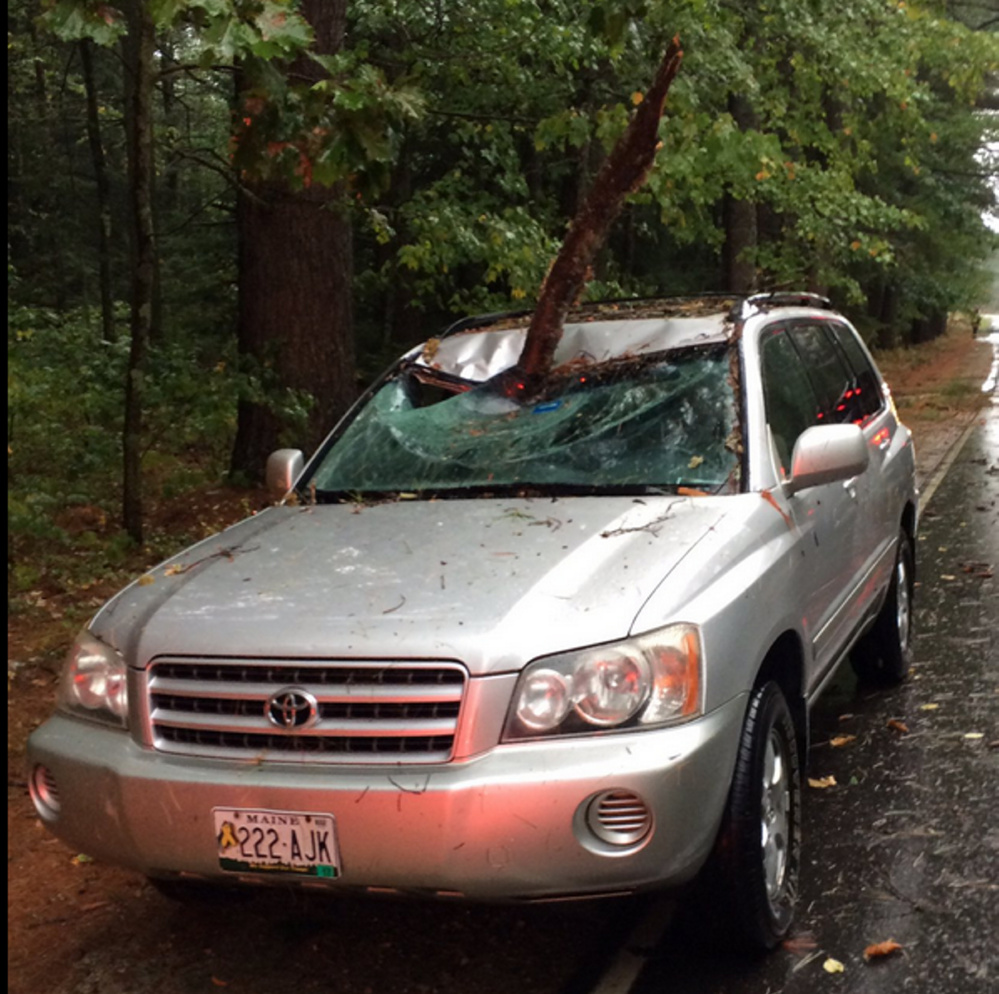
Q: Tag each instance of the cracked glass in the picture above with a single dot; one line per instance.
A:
(656, 424)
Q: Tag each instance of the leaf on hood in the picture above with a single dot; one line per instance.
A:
(833, 966)
(898, 726)
(881, 949)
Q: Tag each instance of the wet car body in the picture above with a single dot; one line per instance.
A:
(520, 672)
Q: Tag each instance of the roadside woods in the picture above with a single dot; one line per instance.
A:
(225, 216)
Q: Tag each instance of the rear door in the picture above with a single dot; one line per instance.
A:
(887, 477)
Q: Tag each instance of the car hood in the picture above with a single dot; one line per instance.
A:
(492, 583)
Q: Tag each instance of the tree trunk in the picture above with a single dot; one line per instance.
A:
(139, 125)
(741, 240)
(623, 172)
(295, 315)
(103, 194)
(295, 292)
(741, 227)
(168, 95)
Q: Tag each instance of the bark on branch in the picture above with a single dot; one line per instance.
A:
(624, 171)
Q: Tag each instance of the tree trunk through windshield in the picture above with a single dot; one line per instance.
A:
(624, 172)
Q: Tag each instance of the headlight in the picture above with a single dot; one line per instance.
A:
(543, 700)
(610, 686)
(650, 680)
(94, 682)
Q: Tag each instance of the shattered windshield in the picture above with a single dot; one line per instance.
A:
(660, 424)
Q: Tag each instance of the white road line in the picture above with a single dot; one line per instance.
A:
(941, 471)
(620, 976)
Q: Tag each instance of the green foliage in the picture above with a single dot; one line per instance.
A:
(346, 126)
(64, 422)
(465, 133)
(72, 20)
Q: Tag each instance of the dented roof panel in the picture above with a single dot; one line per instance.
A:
(480, 354)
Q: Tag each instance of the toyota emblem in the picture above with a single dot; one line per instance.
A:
(292, 709)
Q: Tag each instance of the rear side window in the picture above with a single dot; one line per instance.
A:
(868, 399)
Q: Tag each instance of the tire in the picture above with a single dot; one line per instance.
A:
(758, 856)
(884, 654)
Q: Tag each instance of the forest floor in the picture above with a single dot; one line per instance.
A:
(937, 389)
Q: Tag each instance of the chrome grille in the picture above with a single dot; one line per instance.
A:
(366, 712)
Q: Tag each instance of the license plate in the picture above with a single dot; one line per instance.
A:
(251, 841)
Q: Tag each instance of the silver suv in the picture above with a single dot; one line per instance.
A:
(515, 646)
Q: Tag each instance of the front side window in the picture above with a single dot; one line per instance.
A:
(841, 374)
(830, 376)
(790, 401)
(655, 424)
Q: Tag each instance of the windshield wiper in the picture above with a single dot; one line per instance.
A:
(487, 491)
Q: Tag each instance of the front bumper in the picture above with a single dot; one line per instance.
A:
(507, 824)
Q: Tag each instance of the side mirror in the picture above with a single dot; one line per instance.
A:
(826, 453)
(284, 467)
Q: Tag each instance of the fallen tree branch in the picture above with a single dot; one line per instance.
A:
(624, 171)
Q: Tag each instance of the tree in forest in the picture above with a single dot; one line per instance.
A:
(139, 42)
(295, 278)
(264, 34)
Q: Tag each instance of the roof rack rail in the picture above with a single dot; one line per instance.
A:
(778, 298)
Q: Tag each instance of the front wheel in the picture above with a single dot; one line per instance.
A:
(884, 654)
(759, 847)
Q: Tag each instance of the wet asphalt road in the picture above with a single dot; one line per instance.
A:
(905, 846)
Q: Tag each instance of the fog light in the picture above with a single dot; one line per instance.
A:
(44, 793)
(619, 818)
